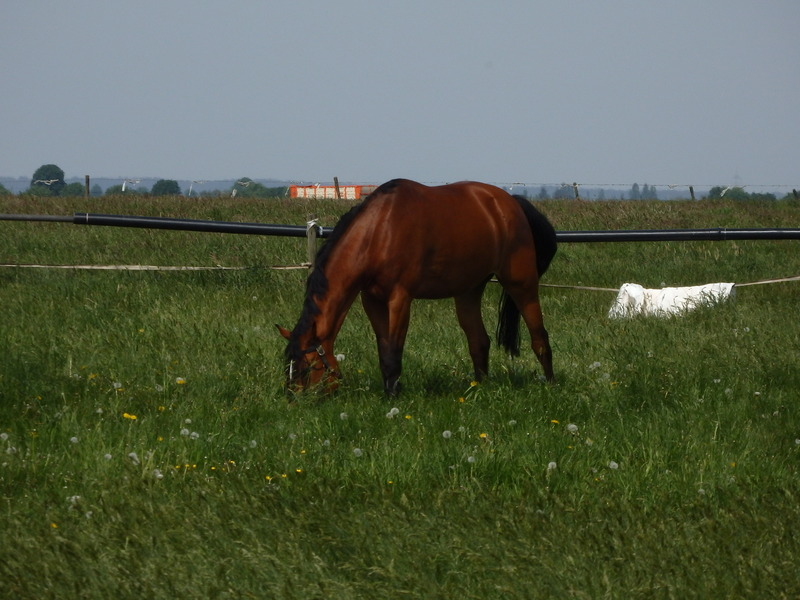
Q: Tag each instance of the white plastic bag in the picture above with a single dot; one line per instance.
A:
(633, 299)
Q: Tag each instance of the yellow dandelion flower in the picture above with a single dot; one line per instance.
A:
(554, 421)
(180, 380)
(129, 416)
(284, 475)
(484, 436)
(54, 525)
(473, 383)
(462, 399)
(408, 417)
(268, 477)
(298, 470)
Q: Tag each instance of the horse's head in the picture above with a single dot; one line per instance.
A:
(309, 365)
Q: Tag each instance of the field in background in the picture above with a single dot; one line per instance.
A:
(147, 449)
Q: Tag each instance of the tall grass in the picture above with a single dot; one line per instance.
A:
(148, 450)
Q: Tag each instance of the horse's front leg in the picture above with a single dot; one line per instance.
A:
(468, 311)
(389, 320)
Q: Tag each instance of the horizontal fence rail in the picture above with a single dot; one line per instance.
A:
(631, 235)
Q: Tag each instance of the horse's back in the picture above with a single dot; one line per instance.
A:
(439, 241)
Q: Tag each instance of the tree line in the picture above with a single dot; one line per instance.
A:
(48, 180)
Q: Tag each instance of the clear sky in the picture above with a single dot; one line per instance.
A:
(661, 92)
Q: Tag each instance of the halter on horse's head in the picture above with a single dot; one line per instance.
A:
(309, 365)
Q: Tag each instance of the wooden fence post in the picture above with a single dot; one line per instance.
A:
(311, 236)
(691, 191)
(336, 186)
(88, 192)
(575, 187)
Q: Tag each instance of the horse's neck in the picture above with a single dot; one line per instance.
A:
(334, 303)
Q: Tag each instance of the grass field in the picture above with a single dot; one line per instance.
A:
(147, 448)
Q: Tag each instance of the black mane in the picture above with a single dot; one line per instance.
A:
(317, 283)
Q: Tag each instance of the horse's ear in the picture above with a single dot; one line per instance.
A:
(284, 332)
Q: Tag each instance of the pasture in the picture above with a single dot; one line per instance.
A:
(147, 448)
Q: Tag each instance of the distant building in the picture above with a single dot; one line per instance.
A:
(347, 192)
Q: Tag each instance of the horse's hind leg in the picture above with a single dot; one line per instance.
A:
(468, 311)
(527, 300)
(389, 320)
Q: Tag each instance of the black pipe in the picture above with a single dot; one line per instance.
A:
(632, 235)
(192, 225)
(718, 234)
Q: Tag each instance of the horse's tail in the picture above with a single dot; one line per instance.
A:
(544, 239)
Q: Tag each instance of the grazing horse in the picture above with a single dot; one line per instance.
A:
(407, 240)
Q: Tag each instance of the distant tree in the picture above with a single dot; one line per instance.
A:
(73, 190)
(4, 191)
(564, 192)
(601, 194)
(542, 195)
(727, 193)
(635, 193)
(48, 177)
(247, 188)
(166, 187)
(114, 190)
(649, 192)
(96, 190)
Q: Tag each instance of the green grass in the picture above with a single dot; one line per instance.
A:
(681, 479)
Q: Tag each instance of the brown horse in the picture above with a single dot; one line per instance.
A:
(406, 241)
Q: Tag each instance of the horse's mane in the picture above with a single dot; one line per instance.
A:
(317, 282)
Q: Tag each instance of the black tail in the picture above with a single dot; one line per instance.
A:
(544, 239)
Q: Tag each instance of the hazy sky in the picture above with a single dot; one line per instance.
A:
(677, 92)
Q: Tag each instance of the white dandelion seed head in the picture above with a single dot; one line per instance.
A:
(446, 434)
(326, 443)
(73, 439)
(194, 435)
(253, 443)
(595, 365)
(357, 452)
(292, 436)
(572, 428)
(73, 500)
(158, 474)
(184, 431)
(3, 437)
(116, 385)
(159, 388)
(552, 466)
(613, 465)
(471, 459)
(394, 411)
(134, 457)
(343, 416)
(339, 357)
(11, 450)
(107, 456)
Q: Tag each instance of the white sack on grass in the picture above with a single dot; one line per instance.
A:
(633, 299)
